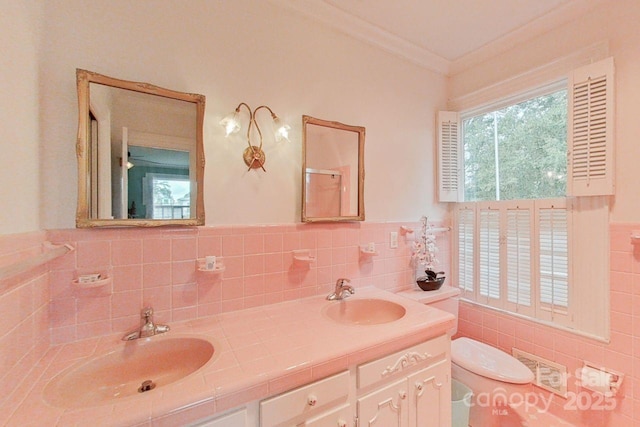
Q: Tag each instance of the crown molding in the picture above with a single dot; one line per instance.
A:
(327, 14)
(541, 25)
(357, 28)
(516, 88)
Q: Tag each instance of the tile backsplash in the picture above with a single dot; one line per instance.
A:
(24, 305)
(158, 268)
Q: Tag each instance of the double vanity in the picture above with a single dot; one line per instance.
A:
(372, 357)
(313, 362)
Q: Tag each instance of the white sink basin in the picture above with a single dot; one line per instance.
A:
(364, 311)
(125, 371)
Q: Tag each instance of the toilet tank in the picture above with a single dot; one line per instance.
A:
(446, 298)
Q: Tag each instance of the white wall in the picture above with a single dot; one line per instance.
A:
(613, 24)
(19, 115)
(252, 51)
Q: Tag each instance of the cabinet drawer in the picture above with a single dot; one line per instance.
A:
(235, 419)
(304, 400)
(421, 355)
(338, 417)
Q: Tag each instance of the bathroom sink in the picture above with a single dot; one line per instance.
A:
(364, 311)
(137, 367)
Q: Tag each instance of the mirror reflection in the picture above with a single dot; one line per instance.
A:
(333, 171)
(140, 154)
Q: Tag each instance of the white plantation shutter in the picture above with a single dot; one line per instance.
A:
(589, 256)
(489, 261)
(521, 250)
(590, 130)
(553, 274)
(547, 259)
(449, 156)
(519, 256)
(466, 220)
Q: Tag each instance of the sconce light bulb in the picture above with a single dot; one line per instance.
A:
(282, 130)
(231, 123)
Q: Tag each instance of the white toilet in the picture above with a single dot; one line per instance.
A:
(494, 376)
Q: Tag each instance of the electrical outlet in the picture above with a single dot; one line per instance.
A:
(393, 240)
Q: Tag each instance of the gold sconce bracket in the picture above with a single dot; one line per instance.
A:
(253, 155)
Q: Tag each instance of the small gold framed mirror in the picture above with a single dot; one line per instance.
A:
(140, 154)
(332, 171)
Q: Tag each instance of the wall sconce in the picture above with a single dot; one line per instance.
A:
(253, 155)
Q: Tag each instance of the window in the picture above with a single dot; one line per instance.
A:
(167, 196)
(517, 152)
(521, 244)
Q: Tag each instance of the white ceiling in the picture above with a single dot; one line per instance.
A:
(448, 28)
(441, 34)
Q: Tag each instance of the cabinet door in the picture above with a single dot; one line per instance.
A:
(385, 407)
(338, 417)
(430, 396)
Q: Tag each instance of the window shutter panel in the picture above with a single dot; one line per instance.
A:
(449, 186)
(466, 220)
(519, 232)
(591, 130)
(489, 256)
(554, 260)
(589, 263)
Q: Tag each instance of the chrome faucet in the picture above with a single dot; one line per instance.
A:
(342, 290)
(147, 327)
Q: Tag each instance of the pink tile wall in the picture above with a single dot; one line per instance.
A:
(157, 267)
(621, 354)
(24, 315)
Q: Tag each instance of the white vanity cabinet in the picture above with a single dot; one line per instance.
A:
(387, 406)
(319, 404)
(411, 388)
(237, 418)
(430, 395)
(342, 416)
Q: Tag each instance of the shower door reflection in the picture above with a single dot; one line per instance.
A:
(327, 194)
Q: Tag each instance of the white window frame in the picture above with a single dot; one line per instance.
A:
(587, 217)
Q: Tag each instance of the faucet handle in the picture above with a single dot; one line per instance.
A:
(147, 327)
(342, 280)
(146, 313)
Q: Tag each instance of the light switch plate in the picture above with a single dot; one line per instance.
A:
(393, 240)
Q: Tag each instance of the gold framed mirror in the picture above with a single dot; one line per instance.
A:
(140, 154)
(332, 171)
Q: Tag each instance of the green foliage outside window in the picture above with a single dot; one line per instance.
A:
(162, 193)
(518, 152)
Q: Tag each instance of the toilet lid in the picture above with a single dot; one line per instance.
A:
(489, 362)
